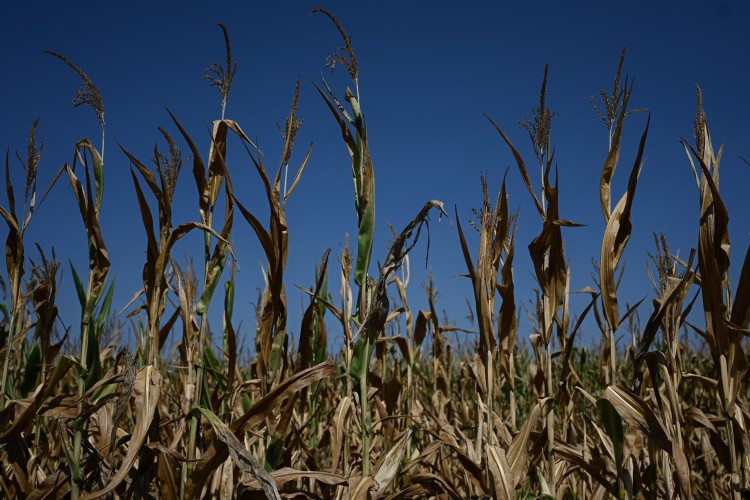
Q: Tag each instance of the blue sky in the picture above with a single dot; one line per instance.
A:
(428, 70)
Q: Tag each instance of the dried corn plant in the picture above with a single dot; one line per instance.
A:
(410, 403)
(725, 321)
(547, 255)
(618, 223)
(15, 252)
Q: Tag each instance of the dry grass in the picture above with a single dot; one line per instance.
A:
(402, 412)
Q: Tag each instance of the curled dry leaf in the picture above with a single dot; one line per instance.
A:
(613, 157)
(343, 410)
(244, 460)
(362, 488)
(147, 392)
(636, 412)
(216, 454)
(616, 237)
(500, 471)
(288, 474)
(392, 462)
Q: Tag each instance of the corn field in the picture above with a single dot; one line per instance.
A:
(406, 404)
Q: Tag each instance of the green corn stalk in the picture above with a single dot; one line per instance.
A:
(354, 134)
(95, 299)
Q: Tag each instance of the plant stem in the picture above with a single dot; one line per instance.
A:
(11, 333)
(612, 356)
(550, 423)
(86, 318)
(365, 412)
(512, 382)
(490, 390)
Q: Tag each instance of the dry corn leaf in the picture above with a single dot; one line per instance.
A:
(391, 462)
(500, 471)
(216, 165)
(339, 427)
(287, 474)
(518, 451)
(548, 257)
(521, 167)
(147, 391)
(217, 453)
(244, 460)
(713, 247)
(597, 469)
(610, 164)
(469, 465)
(616, 236)
(305, 349)
(636, 412)
(362, 488)
(42, 392)
(432, 483)
(414, 491)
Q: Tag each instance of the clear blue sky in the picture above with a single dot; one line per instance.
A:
(428, 70)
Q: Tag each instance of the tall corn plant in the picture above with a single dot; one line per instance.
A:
(209, 180)
(668, 315)
(493, 274)
(95, 297)
(547, 250)
(271, 338)
(616, 236)
(726, 316)
(14, 249)
(372, 306)
(158, 267)
(618, 224)
(272, 342)
(354, 133)
(494, 260)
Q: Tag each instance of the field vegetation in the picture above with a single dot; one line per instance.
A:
(400, 409)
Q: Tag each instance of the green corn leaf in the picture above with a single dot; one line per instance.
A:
(79, 286)
(33, 367)
(359, 364)
(364, 243)
(106, 307)
(93, 363)
(213, 280)
(613, 427)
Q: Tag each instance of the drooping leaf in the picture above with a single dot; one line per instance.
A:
(391, 462)
(215, 455)
(616, 237)
(613, 157)
(244, 460)
(501, 473)
(147, 392)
